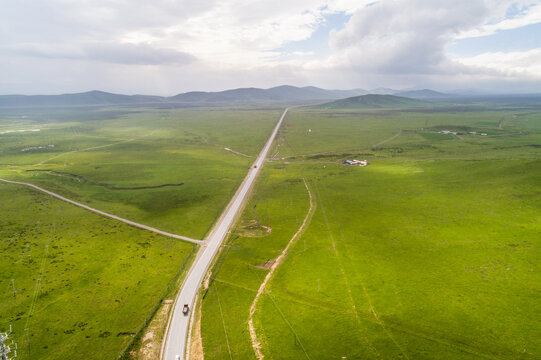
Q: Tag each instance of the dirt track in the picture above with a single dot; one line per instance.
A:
(256, 344)
(102, 213)
(94, 148)
(237, 153)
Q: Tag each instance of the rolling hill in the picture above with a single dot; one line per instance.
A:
(425, 94)
(374, 101)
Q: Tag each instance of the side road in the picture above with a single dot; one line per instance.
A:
(102, 213)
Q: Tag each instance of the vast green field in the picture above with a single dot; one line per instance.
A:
(76, 283)
(430, 252)
(106, 162)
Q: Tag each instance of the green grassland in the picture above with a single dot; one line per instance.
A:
(430, 252)
(75, 283)
(145, 148)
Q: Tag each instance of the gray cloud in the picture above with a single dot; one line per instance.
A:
(140, 54)
(129, 54)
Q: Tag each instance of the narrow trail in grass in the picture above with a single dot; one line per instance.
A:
(348, 286)
(388, 139)
(256, 344)
(94, 148)
(223, 322)
(102, 213)
(350, 294)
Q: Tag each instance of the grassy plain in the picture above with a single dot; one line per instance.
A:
(75, 283)
(143, 148)
(430, 252)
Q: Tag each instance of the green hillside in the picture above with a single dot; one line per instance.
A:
(374, 101)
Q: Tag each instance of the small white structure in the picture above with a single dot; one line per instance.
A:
(447, 132)
(356, 162)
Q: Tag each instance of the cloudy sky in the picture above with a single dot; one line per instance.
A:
(166, 47)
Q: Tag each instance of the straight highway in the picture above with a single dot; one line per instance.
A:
(177, 334)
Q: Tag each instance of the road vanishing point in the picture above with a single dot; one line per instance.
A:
(176, 339)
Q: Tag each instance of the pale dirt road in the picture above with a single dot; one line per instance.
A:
(102, 213)
(237, 153)
(175, 344)
(256, 344)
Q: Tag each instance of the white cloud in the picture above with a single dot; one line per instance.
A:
(532, 15)
(171, 46)
(400, 36)
(522, 64)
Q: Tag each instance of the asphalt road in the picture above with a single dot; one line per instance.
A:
(177, 335)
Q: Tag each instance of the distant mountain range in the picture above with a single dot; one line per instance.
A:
(374, 101)
(281, 94)
(236, 96)
(86, 98)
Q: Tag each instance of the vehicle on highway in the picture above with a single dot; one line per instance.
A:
(185, 309)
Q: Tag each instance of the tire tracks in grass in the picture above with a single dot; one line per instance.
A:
(223, 321)
(235, 285)
(348, 286)
(94, 148)
(256, 344)
(365, 292)
(403, 329)
(378, 320)
(388, 139)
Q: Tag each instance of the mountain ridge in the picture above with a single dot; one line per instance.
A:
(283, 93)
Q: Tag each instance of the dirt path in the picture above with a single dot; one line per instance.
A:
(93, 148)
(196, 345)
(256, 344)
(388, 139)
(102, 213)
(237, 153)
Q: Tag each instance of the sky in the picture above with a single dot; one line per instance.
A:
(166, 47)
